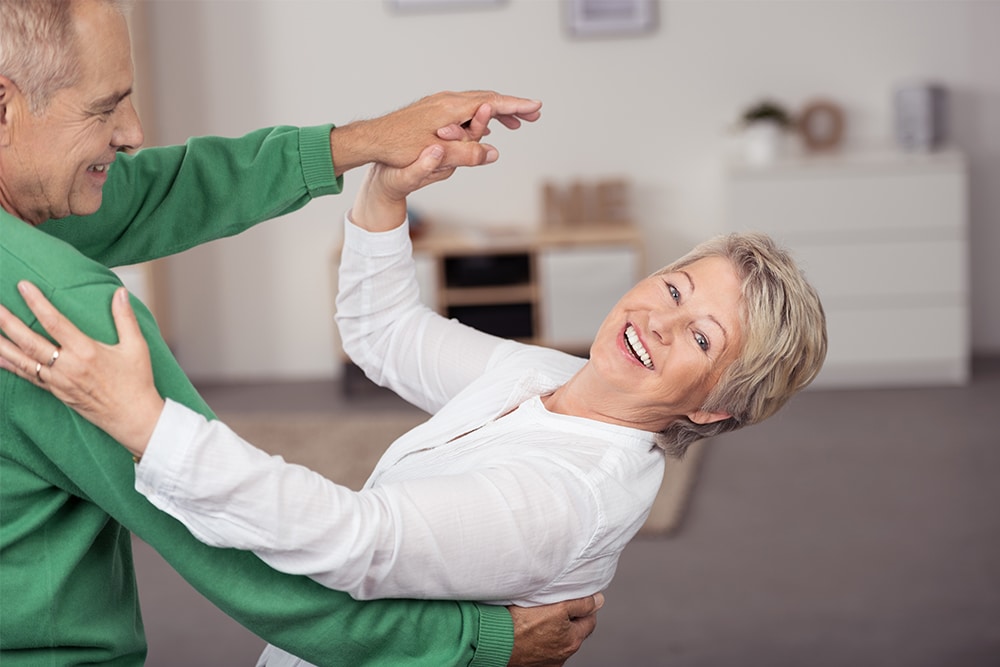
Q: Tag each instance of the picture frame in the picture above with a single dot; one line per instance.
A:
(403, 6)
(600, 18)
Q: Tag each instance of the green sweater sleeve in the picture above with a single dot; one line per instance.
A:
(164, 200)
(66, 498)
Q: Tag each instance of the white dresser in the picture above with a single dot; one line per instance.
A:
(883, 238)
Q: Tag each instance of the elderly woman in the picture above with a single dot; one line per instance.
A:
(535, 468)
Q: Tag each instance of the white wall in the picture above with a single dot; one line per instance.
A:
(657, 109)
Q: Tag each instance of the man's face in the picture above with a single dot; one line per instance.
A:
(55, 164)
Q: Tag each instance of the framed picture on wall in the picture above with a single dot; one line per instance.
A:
(422, 5)
(597, 18)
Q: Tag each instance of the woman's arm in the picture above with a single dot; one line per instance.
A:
(498, 533)
(384, 327)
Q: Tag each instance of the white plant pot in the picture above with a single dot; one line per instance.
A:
(762, 141)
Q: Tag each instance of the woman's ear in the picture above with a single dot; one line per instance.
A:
(705, 417)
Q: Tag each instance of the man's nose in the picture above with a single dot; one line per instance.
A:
(128, 133)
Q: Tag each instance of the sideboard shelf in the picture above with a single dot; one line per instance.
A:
(560, 281)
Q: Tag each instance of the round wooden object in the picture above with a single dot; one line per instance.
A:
(822, 125)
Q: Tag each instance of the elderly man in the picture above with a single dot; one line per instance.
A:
(66, 498)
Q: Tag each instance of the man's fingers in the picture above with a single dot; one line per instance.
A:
(505, 105)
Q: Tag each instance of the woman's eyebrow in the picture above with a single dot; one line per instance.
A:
(688, 276)
(725, 334)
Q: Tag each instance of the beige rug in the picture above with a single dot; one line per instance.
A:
(345, 448)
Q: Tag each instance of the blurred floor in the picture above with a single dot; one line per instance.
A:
(854, 528)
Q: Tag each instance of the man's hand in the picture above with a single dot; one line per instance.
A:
(547, 636)
(397, 138)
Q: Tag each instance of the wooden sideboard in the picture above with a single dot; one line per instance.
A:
(551, 286)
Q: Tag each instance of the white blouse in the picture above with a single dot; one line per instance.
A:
(494, 498)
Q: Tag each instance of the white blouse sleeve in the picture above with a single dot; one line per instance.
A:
(472, 536)
(387, 331)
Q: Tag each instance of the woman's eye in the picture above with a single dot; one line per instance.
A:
(675, 295)
(702, 341)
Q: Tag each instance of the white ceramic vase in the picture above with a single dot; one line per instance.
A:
(762, 141)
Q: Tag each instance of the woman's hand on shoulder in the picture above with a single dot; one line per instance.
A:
(109, 385)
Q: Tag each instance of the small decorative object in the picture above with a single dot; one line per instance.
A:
(602, 202)
(821, 125)
(597, 18)
(919, 110)
(764, 126)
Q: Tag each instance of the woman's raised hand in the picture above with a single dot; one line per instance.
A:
(109, 385)
(381, 201)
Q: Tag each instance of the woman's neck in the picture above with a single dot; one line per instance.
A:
(577, 398)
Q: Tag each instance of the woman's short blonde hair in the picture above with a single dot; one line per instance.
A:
(783, 343)
(38, 47)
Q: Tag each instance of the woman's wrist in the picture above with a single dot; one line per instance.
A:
(135, 433)
(376, 209)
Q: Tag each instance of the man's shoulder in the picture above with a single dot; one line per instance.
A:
(28, 253)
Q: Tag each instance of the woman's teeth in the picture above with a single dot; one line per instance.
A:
(636, 347)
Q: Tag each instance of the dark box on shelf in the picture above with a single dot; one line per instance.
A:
(486, 270)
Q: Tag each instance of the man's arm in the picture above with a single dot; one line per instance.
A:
(168, 199)
(162, 201)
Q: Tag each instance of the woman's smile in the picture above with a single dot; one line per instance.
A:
(635, 347)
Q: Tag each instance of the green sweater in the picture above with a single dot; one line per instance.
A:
(67, 585)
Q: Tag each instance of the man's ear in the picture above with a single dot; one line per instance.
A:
(7, 92)
(705, 417)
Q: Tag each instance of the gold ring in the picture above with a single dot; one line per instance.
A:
(38, 371)
(55, 357)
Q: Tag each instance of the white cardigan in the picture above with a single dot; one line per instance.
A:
(494, 498)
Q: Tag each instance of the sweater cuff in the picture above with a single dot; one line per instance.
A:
(317, 161)
(496, 637)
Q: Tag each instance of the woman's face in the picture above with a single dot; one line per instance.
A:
(664, 345)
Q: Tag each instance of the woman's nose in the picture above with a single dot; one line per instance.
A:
(661, 325)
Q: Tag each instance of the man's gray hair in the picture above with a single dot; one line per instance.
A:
(38, 46)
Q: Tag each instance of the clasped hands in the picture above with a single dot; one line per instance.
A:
(455, 121)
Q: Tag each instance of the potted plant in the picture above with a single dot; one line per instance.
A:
(764, 125)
